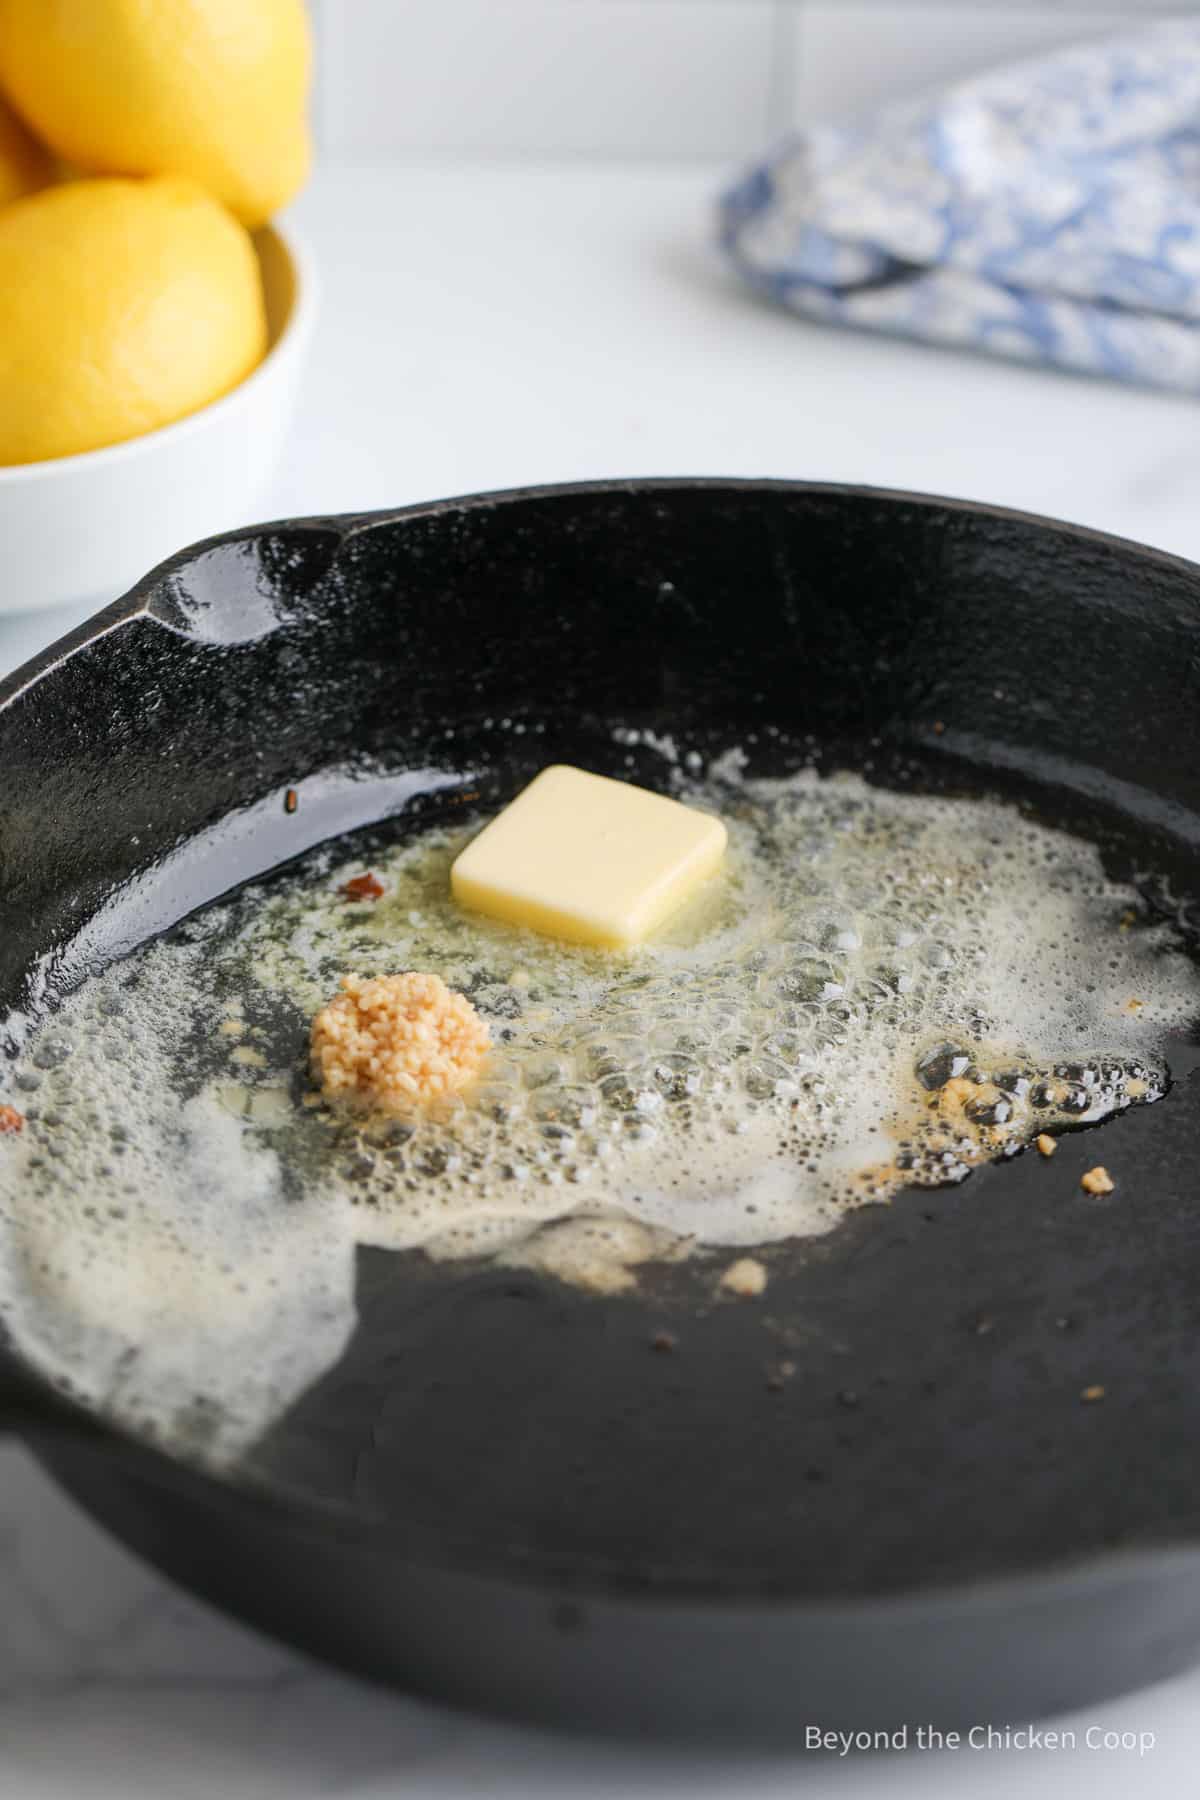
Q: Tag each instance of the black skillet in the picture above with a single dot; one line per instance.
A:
(504, 1494)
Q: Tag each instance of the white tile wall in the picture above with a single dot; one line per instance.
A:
(847, 57)
(652, 78)
(576, 77)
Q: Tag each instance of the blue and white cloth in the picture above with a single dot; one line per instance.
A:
(1049, 211)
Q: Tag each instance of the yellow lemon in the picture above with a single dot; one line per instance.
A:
(123, 305)
(214, 89)
(24, 165)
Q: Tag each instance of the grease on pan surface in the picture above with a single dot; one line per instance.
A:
(879, 990)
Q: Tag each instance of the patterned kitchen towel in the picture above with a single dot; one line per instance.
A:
(1049, 211)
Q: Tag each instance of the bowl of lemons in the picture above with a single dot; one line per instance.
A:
(153, 320)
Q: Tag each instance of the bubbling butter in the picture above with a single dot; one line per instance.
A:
(878, 990)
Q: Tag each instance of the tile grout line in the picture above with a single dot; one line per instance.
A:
(324, 69)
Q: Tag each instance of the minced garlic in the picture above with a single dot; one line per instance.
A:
(391, 1041)
(746, 1277)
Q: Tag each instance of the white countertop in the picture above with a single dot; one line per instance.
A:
(488, 328)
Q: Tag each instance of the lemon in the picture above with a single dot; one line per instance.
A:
(214, 89)
(24, 165)
(123, 305)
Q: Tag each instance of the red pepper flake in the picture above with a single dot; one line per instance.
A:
(11, 1119)
(291, 801)
(363, 887)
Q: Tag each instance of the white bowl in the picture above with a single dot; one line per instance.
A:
(80, 528)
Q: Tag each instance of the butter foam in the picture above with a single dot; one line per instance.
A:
(879, 989)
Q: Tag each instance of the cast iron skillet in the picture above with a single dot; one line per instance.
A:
(504, 1494)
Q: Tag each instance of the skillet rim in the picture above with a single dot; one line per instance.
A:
(136, 601)
(32, 1408)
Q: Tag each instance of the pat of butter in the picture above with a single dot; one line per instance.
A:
(594, 861)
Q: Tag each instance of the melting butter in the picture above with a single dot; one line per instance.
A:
(879, 989)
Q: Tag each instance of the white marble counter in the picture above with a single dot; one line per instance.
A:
(489, 328)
